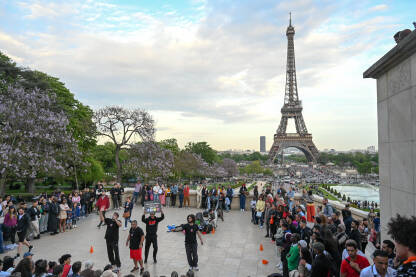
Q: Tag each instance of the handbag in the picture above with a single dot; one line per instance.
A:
(258, 214)
(126, 214)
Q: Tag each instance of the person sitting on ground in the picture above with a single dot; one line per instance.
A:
(76, 268)
(88, 271)
(24, 267)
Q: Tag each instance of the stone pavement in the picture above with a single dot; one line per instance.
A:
(232, 251)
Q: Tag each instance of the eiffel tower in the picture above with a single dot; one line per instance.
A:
(292, 108)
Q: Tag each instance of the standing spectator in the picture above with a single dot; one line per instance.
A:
(44, 215)
(156, 189)
(162, 195)
(402, 229)
(320, 264)
(10, 223)
(63, 209)
(128, 209)
(328, 210)
(120, 192)
(174, 192)
(137, 191)
(34, 215)
(23, 222)
(380, 266)
(388, 247)
(103, 204)
(204, 194)
(167, 196)
(114, 193)
(243, 193)
(143, 194)
(293, 255)
(191, 244)
(260, 206)
(352, 266)
(151, 233)
(186, 196)
(53, 216)
(364, 232)
(347, 218)
(111, 238)
(230, 194)
(181, 195)
(135, 242)
(355, 234)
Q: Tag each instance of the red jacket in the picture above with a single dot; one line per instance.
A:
(186, 191)
(103, 202)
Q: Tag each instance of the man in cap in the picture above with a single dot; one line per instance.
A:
(321, 264)
(151, 233)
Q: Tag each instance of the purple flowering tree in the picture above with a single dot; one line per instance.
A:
(34, 139)
(121, 126)
(149, 160)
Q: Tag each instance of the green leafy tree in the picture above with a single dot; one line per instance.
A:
(204, 150)
(170, 144)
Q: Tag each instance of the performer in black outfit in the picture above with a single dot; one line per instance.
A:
(111, 239)
(151, 234)
(23, 223)
(191, 245)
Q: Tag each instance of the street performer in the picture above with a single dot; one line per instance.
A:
(151, 233)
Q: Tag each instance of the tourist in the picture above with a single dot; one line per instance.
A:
(347, 218)
(103, 204)
(191, 245)
(44, 215)
(243, 192)
(305, 231)
(320, 265)
(76, 268)
(143, 195)
(181, 195)
(380, 266)
(174, 192)
(388, 247)
(151, 233)
(355, 234)
(328, 210)
(402, 229)
(128, 209)
(34, 215)
(24, 267)
(267, 218)
(10, 223)
(260, 206)
(204, 195)
(364, 232)
(186, 201)
(156, 189)
(162, 198)
(65, 261)
(87, 272)
(341, 237)
(120, 192)
(305, 260)
(352, 266)
(23, 223)
(53, 216)
(111, 238)
(135, 242)
(137, 190)
(293, 255)
(230, 194)
(41, 268)
(255, 193)
(168, 196)
(114, 196)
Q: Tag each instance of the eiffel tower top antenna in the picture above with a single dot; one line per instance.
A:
(290, 18)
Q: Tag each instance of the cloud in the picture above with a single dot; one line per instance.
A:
(380, 7)
(228, 66)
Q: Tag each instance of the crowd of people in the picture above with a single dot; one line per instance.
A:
(321, 241)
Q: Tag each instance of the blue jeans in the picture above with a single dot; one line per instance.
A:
(83, 209)
(242, 202)
(135, 197)
(180, 200)
(126, 220)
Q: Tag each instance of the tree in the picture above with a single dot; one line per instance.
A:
(254, 168)
(170, 144)
(204, 150)
(230, 167)
(92, 173)
(121, 125)
(149, 160)
(34, 138)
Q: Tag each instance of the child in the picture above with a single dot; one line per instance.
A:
(227, 204)
(75, 214)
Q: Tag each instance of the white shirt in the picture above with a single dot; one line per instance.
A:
(371, 271)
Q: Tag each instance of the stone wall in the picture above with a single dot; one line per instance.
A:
(396, 108)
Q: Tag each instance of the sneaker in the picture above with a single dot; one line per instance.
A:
(125, 228)
(141, 270)
(134, 269)
(145, 261)
(196, 268)
(30, 248)
(191, 268)
(155, 261)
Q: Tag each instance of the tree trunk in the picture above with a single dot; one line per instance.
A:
(30, 185)
(76, 177)
(3, 185)
(118, 164)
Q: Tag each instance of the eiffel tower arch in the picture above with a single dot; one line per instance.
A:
(292, 109)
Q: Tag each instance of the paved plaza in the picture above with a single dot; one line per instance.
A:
(232, 251)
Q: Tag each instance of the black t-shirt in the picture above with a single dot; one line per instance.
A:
(190, 233)
(112, 229)
(135, 237)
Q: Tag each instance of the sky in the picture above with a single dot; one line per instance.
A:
(214, 70)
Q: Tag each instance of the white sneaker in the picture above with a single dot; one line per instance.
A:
(196, 268)
(125, 228)
(191, 268)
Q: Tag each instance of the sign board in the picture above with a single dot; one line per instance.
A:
(150, 206)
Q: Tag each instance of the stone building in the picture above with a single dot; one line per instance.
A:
(396, 108)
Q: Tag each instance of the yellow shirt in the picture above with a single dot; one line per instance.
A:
(260, 205)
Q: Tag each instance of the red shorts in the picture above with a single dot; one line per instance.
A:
(136, 254)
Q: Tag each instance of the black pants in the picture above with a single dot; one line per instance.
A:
(192, 254)
(115, 202)
(363, 246)
(149, 241)
(173, 200)
(204, 202)
(112, 251)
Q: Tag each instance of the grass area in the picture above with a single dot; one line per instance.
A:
(328, 195)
